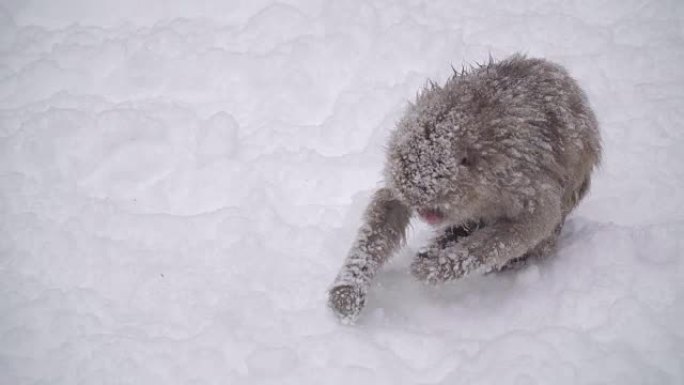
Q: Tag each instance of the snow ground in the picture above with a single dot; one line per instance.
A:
(180, 181)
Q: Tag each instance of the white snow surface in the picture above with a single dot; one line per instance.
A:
(180, 181)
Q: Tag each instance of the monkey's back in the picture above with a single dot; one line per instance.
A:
(534, 113)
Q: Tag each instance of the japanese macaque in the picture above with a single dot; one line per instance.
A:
(494, 159)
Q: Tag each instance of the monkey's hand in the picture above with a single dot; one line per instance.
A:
(347, 300)
(436, 265)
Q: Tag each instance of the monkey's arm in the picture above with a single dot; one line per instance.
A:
(490, 247)
(382, 232)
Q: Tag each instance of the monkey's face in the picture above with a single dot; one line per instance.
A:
(431, 169)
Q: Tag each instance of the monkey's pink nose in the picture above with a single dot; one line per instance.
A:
(432, 217)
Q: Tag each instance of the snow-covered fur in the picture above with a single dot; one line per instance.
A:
(495, 159)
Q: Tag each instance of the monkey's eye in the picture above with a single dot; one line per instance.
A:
(465, 161)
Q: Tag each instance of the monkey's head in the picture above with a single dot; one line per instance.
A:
(434, 160)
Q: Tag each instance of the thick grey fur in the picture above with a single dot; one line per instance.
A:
(504, 151)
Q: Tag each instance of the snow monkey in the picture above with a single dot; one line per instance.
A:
(494, 160)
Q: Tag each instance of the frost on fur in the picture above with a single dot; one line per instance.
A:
(495, 158)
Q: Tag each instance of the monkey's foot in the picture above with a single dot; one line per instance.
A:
(347, 301)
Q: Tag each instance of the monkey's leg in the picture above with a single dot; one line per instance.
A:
(382, 232)
(540, 251)
(489, 248)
